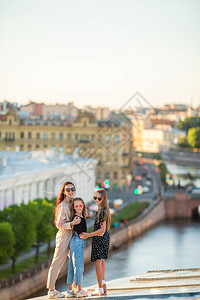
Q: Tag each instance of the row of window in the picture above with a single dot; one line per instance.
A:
(45, 136)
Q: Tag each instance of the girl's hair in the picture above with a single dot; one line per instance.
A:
(72, 210)
(104, 205)
(60, 198)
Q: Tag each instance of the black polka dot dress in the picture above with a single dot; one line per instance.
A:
(100, 244)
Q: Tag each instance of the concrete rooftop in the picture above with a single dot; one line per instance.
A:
(162, 284)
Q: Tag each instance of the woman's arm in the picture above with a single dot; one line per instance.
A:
(61, 220)
(98, 232)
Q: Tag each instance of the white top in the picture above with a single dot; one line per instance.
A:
(63, 216)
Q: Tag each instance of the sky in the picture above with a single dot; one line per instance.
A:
(100, 53)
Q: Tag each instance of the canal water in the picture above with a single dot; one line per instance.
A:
(169, 245)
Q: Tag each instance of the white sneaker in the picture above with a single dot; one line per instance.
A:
(70, 294)
(98, 292)
(55, 294)
(81, 294)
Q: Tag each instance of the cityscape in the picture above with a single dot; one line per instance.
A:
(99, 149)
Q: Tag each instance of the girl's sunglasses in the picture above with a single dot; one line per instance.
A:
(70, 189)
(95, 198)
(76, 206)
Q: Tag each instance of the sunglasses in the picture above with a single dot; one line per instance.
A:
(95, 198)
(70, 189)
(76, 206)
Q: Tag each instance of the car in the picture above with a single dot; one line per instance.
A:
(117, 202)
(145, 189)
(148, 183)
(138, 177)
(145, 167)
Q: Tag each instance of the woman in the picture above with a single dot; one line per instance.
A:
(63, 236)
(100, 240)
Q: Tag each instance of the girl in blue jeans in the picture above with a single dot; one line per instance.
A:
(76, 263)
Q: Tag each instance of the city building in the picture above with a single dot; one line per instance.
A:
(109, 141)
(59, 111)
(25, 176)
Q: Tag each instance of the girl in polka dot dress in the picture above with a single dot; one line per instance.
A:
(100, 239)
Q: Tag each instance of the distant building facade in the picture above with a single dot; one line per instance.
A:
(110, 142)
(26, 176)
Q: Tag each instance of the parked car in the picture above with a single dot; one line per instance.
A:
(148, 183)
(145, 189)
(117, 202)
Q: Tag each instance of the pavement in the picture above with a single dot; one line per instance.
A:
(160, 284)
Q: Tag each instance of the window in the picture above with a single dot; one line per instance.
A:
(29, 135)
(13, 135)
(76, 136)
(108, 137)
(107, 175)
(92, 137)
(53, 148)
(116, 150)
(61, 149)
(61, 136)
(29, 147)
(45, 136)
(116, 138)
(115, 175)
(37, 147)
(69, 136)
(21, 135)
(37, 135)
(10, 122)
(53, 135)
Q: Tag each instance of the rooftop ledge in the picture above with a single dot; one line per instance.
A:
(179, 284)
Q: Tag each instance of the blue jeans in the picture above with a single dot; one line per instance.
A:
(76, 262)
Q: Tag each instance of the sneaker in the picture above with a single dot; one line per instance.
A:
(104, 287)
(70, 294)
(55, 294)
(82, 294)
(98, 292)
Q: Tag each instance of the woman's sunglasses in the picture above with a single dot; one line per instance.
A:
(76, 206)
(95, 198)
(70, 189)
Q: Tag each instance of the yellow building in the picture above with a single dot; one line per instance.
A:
(110, 142)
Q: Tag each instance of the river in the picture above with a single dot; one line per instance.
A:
(169, 245)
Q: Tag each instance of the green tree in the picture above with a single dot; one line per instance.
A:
(45, 227)
(23, 222)
(189, 123)
(183, 142)
(194, 137)
(163, 171)
(7, 242)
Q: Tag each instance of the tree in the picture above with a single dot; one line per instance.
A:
(194, 137)
(188, 123)
(23, 222)
(45, 230)
(7, 241)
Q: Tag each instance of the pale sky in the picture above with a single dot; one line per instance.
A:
(101, 52)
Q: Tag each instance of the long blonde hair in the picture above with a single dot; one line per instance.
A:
(72, 210)
(104, 205)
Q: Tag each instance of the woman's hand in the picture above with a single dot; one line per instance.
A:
(84, 235)
(76, 221)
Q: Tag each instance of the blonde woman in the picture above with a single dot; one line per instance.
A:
(100, 239)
